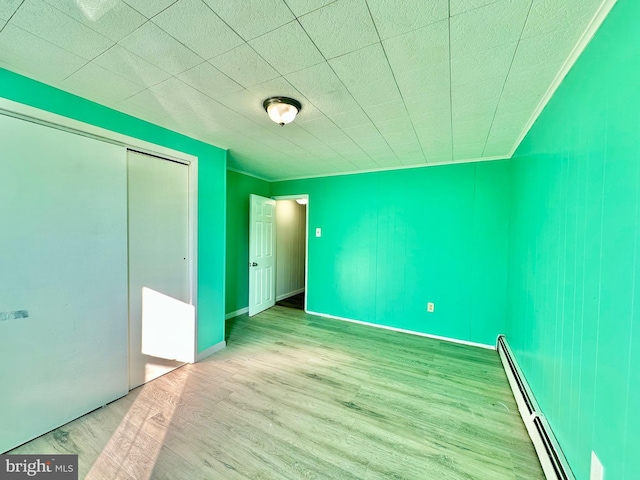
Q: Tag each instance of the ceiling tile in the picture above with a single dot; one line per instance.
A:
(435, 135)
(468, 152)
(435, 104)
(198, 27)
(397, 125)
(483, 65)
(51, 24)
(361, 134)
(420, 48)
(352, 118)
(338, 101)
(315, 81)
(369, 63)
(401, 138)
(8, 8)
(161, 49)
(547, 16)
(460, 6)
(252, 18)
(472, 100)
(340, 27)
(287, 49)
(113, 18)
(140, 112)
(473, 134)
(382, 154)
(245, 66)
(318, 126)
(335, 137)
(149, 8)
(539, 52)
(522, 87)
(159, 105)
(247, 104)
(391, 20)
(495, 24)
(209, 80)
(278, 87)
(44, 60)
(374, 93)
(178, 92)
(101, 85)
(372, 145)
(386, 111)
(434, 78)
(301, 7)
(130, 66)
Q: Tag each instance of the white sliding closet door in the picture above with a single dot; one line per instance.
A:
(63, 278)
(161, 317)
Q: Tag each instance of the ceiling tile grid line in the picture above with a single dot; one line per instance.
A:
(505, 80)
(311, 100)
(8, 14)
(346, 86)
(396, 84)
(47, 22)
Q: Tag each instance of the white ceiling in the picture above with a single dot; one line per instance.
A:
(383, 83)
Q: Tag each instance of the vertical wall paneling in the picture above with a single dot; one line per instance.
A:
(393, 241)
(574, 322)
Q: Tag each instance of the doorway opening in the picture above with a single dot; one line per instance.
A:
(291, 250)
(286, 255)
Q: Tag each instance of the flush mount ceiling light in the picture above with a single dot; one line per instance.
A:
(282, 109)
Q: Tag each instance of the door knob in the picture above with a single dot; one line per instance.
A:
(253, 264)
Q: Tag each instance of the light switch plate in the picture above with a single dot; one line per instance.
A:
(318, 232)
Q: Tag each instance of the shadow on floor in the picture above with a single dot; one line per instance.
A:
(297, 302)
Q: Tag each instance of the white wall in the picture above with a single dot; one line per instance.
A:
(291, 244)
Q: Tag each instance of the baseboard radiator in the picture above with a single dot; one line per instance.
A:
(552, 459)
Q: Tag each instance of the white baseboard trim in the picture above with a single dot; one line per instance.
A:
(210, 351)
(554, 463)
(290, 294)
(236, 313)
(402, 330)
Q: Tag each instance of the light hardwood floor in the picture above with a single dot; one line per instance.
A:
(298, 396)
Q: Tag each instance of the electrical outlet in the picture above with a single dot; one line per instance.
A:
(597, 470)
(431, 307)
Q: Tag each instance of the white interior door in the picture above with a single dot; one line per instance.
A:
(161, 318)
(262, 236)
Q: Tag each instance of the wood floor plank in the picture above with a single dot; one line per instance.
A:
(295, 396)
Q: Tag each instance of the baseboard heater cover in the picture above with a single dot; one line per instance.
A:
(554, 463)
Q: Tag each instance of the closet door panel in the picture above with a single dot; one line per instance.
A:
(63, 278)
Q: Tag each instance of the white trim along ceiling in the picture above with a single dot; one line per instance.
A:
(384, 84)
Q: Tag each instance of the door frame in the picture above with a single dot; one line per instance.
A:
(60, 122)
(306, 241)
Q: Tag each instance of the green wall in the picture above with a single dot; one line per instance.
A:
(211, 184)
(239, 187)
(393, 241)
(574, 320)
